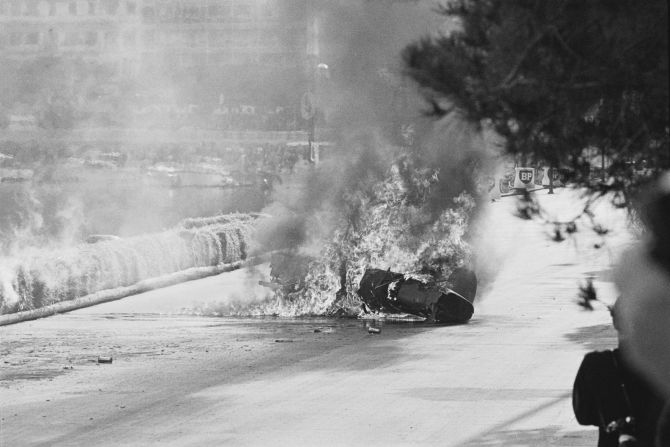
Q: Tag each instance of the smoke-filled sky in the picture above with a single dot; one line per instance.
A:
(362, 41)
(348, 56)
(174, 56)
(363, 94)
(367, 101)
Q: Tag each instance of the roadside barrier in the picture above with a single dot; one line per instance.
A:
(88, 274)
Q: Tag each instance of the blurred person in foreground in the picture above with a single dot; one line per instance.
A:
(643, 310)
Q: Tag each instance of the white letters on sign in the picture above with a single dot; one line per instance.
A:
(524, 177)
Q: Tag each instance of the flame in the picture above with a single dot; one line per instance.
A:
(392, 229)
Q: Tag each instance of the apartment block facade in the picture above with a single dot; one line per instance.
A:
(139, 33)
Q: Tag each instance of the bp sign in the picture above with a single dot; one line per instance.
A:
(524, 177)
(307, 106)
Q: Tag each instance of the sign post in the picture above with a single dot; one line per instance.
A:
(308, 111)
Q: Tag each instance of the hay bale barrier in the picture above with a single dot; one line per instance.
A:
(199, 247)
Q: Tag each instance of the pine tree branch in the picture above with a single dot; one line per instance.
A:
(564, 44)
(635, 136)
(505, 84)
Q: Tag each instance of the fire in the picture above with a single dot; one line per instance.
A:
(389, 226)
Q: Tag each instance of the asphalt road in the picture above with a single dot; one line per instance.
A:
(179, 379)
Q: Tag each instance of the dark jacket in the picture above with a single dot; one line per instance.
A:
(606, 389)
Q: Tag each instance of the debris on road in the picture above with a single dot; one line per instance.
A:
(374, 330)
(104, 359)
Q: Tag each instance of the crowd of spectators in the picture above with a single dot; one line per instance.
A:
(227, 117)
(244, 156)
(245, 117)
(239, 117)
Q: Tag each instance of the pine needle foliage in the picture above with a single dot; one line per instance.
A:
(557, 77)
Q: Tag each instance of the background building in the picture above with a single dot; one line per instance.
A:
(221, 64)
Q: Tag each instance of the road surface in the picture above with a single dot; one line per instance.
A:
(179, 379)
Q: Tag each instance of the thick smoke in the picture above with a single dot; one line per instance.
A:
(398, 190)
(368, 102)
(388, 161)
(147, 101)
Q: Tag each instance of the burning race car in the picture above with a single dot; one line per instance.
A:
(386, 291)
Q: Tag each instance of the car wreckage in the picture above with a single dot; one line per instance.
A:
(385, 291)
